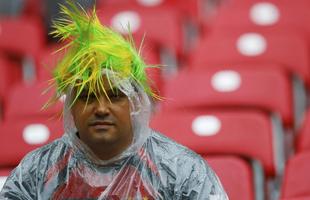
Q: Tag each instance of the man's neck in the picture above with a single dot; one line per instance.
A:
(108, 151)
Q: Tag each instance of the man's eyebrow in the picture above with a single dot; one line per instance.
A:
(112, 90)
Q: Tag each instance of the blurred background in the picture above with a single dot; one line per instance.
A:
(235, 75)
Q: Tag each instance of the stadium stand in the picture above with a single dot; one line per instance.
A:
(255, 48)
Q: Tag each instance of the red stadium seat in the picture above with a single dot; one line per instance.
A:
(18, 137)
(143, 3)
(297, 198)
(9, 75)
(191, 13)
(303, 138)
(28, 100)
(246, 133)
(187, 7)
(242, 3)
(145, 21)
(290, 15)
(237, 176)
(297, 178)
(21, 36)
(234, 86)
(239, 47)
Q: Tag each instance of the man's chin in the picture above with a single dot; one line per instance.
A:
(103, 136)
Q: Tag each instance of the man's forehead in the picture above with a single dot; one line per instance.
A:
(103, 84)
(108, 89)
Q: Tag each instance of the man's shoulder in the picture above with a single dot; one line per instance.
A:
(35, 155)
(185, 169)
(170, 150)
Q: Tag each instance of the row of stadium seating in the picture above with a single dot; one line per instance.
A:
(244, 93)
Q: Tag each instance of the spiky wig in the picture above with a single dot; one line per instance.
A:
(92, 48)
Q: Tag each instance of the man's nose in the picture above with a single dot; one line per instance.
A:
(102, 105)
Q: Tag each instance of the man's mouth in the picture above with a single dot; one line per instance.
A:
(101, 124)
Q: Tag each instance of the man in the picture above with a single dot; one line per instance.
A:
(108, 151)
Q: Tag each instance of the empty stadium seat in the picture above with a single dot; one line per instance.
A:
(21, 36)
(297, 178)
(9, 75)
(189, 12)
(239, 47)
(246, 133)
(28, 100)
(22, 39)
(240, 179)
(303, 137)
(297, 198)
(18, 137)
(234, 86)
(144, 3)
(145, 21)
(191, 8)
(291, 15)
(242, 3)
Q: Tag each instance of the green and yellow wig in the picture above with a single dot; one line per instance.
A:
(90, 49)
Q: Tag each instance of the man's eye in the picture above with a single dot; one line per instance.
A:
(85, 97)
(116, 95)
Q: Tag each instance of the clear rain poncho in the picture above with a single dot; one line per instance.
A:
(152, 167)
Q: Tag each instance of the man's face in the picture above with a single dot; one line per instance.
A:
(105, 126)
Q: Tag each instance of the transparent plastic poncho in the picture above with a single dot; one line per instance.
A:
(152, 167)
